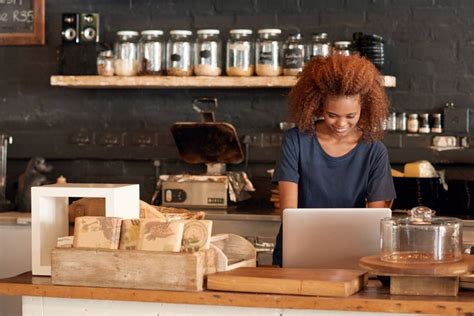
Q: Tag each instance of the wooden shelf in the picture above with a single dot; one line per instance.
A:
(169, 82)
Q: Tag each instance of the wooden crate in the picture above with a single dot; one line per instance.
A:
(132, 268)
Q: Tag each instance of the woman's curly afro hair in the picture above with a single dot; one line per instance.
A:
(339, 75)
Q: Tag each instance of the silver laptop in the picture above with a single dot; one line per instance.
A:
(332, 237)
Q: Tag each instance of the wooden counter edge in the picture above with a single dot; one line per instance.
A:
(368, 300)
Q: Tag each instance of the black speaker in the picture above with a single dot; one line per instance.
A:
(70, 28)
(89, 27)
(80, 59)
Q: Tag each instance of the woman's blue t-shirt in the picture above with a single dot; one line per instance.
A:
(362, 175)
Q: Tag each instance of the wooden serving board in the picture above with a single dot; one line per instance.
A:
(373, 263)
(317, 282)
(439, 279)
(469, 259)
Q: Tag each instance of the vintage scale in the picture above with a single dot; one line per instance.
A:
(212, 143)
(421, 253)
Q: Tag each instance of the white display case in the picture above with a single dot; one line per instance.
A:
(49, 213)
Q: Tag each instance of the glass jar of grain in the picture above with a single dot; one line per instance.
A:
(126, 56)
(268, 53)
(207, 57)
(152, 52)
(179, 59)
(293, 55)
(240, 58)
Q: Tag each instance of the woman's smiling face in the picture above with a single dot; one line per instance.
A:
(341, 114)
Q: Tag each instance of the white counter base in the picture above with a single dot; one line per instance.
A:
(15, 258)
(48, 306)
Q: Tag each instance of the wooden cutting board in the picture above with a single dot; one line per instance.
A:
(317, 282)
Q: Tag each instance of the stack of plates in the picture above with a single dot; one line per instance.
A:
(370, 46)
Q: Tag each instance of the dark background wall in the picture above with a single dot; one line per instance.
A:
(429, 48)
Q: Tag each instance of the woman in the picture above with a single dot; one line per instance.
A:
(334, 157)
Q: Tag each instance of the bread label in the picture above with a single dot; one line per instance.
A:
(196, 235)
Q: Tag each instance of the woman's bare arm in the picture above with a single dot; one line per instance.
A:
(288, 195)
(378, 204)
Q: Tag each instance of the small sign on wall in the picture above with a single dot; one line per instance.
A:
(22, 22)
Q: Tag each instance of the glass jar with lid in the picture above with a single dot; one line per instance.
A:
(240, 58)
(293, 55)
(179, 59)
(392, 122)
(126, 55)
(342, 48)
(207, 57)
(268, 53)
(320, 46)
(105, 63)
(152, 52)
(436, 125)
(421, 238)
(401, 121)
(412, 124)
(424, 126)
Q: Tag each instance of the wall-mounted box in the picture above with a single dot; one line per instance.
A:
(456, 120)
(416, 140)
(393, 140)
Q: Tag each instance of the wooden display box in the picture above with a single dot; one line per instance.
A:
(132, 268)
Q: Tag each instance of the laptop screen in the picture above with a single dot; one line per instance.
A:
(331, 238)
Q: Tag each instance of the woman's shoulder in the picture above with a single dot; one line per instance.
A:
(296, 136)
(293, 134)
(379, 145)
(375, 148)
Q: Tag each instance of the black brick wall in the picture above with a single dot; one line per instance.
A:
(430, 49)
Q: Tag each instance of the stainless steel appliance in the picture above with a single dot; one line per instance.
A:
(196, 191)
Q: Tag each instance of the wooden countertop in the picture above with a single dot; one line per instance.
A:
(15, 218)
(373, 299)
(249, 213)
